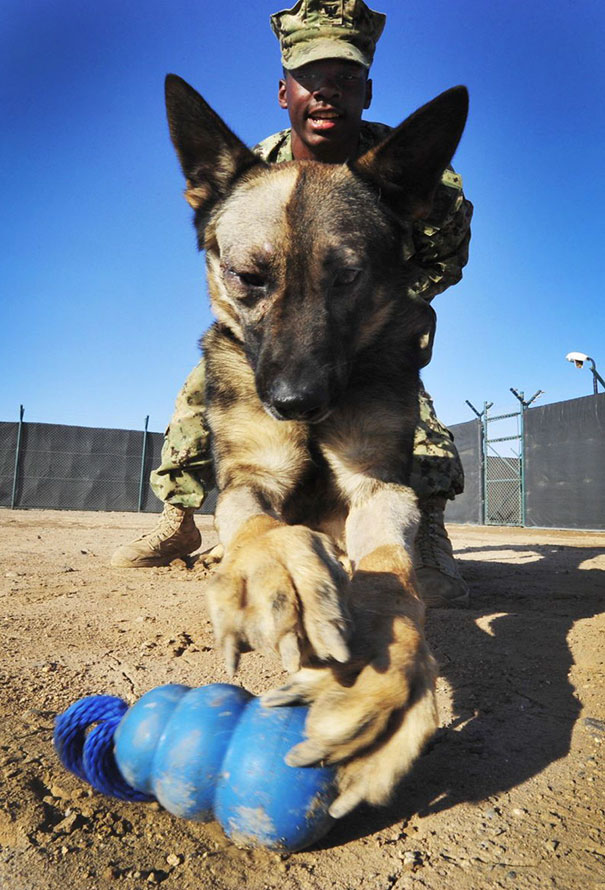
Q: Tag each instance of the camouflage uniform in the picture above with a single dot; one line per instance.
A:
(439, 252)
(185, 473)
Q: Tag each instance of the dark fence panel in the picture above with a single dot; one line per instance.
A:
(83, 468)
(565, 464)
(8, 445)
(80, 468)
(209, 505)
(149, 502)
(88, 468)
(77, 468)
(467, 507)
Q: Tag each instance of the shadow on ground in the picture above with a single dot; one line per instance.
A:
(507, 662)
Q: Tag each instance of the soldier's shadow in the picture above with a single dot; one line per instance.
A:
(506, 662)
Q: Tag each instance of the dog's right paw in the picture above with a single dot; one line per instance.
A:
(372, 716)
(283, 590)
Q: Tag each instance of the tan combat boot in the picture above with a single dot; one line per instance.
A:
(176, 535)
(440, 583)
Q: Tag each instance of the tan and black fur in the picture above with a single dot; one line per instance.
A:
(313, 373)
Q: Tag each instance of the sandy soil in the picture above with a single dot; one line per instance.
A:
(509, 794)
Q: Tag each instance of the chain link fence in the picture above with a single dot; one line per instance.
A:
(503, 490)
(559, 479)
(54, 466)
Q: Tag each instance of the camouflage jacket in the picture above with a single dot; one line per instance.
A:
(440, 242)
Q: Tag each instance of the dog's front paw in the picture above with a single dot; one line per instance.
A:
(371, 716)
(284, 590)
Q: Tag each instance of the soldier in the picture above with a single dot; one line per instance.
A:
(327, 49)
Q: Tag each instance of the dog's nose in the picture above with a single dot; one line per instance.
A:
(301, 402)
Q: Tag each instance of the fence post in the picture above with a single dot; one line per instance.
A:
(482, 418)
(143, 458)
(484, 457)
(17, 455)
(524, 406)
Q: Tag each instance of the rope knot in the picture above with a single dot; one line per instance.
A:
(88, 752)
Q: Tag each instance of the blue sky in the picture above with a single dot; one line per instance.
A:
(101, 288)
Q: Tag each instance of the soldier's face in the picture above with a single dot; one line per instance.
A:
(325, 101)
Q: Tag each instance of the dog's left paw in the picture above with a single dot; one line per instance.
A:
(371, 716)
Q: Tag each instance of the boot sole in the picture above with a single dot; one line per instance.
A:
(145, 562)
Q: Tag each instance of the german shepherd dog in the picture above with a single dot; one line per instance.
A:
(312, 400)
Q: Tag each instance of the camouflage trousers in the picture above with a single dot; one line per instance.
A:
(185, 474)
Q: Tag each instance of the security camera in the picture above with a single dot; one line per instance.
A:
(578, 358)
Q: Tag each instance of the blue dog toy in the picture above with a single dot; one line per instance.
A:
(212, 752)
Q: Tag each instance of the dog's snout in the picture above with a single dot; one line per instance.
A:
(303, 401)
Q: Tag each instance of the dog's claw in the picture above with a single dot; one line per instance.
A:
(345, 803)
(282, 696)
(290, 652)
(231, 654)
(339, 649)
(305, 754)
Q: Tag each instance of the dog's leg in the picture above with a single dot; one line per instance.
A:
(374, 714)
(279, 587)
(396, 685)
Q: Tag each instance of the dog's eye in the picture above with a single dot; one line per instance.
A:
(247, 279)
(251, 279)
(345, 277)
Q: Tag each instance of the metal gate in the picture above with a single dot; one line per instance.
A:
(503, 474)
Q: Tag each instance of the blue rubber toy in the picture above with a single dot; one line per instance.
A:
(212, 752)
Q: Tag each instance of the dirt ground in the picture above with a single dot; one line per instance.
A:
(509, 793)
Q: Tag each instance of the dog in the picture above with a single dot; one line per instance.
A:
(312, 400)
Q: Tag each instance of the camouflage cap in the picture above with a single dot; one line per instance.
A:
(327, 29)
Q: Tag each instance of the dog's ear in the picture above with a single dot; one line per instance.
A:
(408, 164)
(212, 157)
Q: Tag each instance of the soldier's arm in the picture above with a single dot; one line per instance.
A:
(441, 242)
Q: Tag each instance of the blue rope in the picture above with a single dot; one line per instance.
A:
(89, 755)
